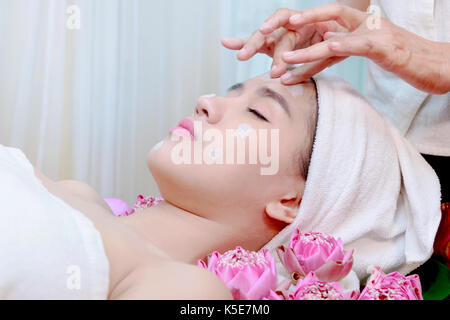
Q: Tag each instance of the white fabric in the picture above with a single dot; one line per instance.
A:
(366, 185)
(424, 119)
(48, 250)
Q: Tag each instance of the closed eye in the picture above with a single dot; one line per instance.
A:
(257, 114)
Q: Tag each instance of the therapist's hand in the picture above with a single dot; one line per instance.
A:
(281, 37)
(422, 63)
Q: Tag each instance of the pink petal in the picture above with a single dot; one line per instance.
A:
(416, 286)
(273, 296)
(226, 273)
(336, 255)
(260, 288)
(332, 272)
(240, 282)
(202, 264)
(312, 263)
(351, 295)
(290, 262)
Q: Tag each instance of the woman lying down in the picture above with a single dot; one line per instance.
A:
(341, 169)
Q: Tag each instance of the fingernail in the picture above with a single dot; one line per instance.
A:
(265, 26)
(297, 18)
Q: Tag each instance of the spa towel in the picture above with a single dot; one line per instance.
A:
(48, 250)
(366, 185)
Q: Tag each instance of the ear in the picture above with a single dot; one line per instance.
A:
(285, 209)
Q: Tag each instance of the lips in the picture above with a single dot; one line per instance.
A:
(186, 125)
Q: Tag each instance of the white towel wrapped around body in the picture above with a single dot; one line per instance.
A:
(48, 250)
(366, 185)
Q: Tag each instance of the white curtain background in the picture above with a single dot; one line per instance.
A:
(89, 103)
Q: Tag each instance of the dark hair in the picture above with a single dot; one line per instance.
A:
(304, 154)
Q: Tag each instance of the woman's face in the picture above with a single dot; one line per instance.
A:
(237, 163)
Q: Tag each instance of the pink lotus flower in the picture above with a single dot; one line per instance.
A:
(143, 202)
(311, 288)
(249, 275)
(316, 252)
(392, 286)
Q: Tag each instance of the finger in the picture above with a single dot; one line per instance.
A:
(233, 43)
(251, 47)
(352, 45)
(285, 44)
(346, 16)
(332, 35)
(309, 70)
(315, 52)
(273, 38)
(279, 19)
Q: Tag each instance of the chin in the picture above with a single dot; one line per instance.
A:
(172, 180)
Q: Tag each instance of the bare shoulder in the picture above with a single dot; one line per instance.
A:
(83, 191)
(75, 187)
(174, 281)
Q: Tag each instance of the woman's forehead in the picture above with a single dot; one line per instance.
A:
(295, 90)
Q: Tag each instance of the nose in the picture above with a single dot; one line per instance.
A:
(208, 107)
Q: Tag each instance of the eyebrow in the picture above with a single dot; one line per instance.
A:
(269, 93)
(266, 92)
(237, 86)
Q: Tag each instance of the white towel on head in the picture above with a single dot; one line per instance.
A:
(366, 185)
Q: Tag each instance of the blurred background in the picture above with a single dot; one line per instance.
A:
(87, 87)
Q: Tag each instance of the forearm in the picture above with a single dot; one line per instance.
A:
(428, 68)
(356, 4)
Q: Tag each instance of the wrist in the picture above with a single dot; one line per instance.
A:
(445, 66)
(429, 65)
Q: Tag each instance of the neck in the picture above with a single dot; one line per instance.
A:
(181, 235)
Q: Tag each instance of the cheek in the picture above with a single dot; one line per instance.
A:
(199, 187)
(289, 156)
(216, 182)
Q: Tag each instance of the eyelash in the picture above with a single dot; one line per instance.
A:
(257, 114)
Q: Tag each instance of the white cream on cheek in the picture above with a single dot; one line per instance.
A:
(244, 130)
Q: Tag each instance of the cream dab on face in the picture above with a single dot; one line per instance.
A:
(157, 146)
(243, 130)
(208, 96)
